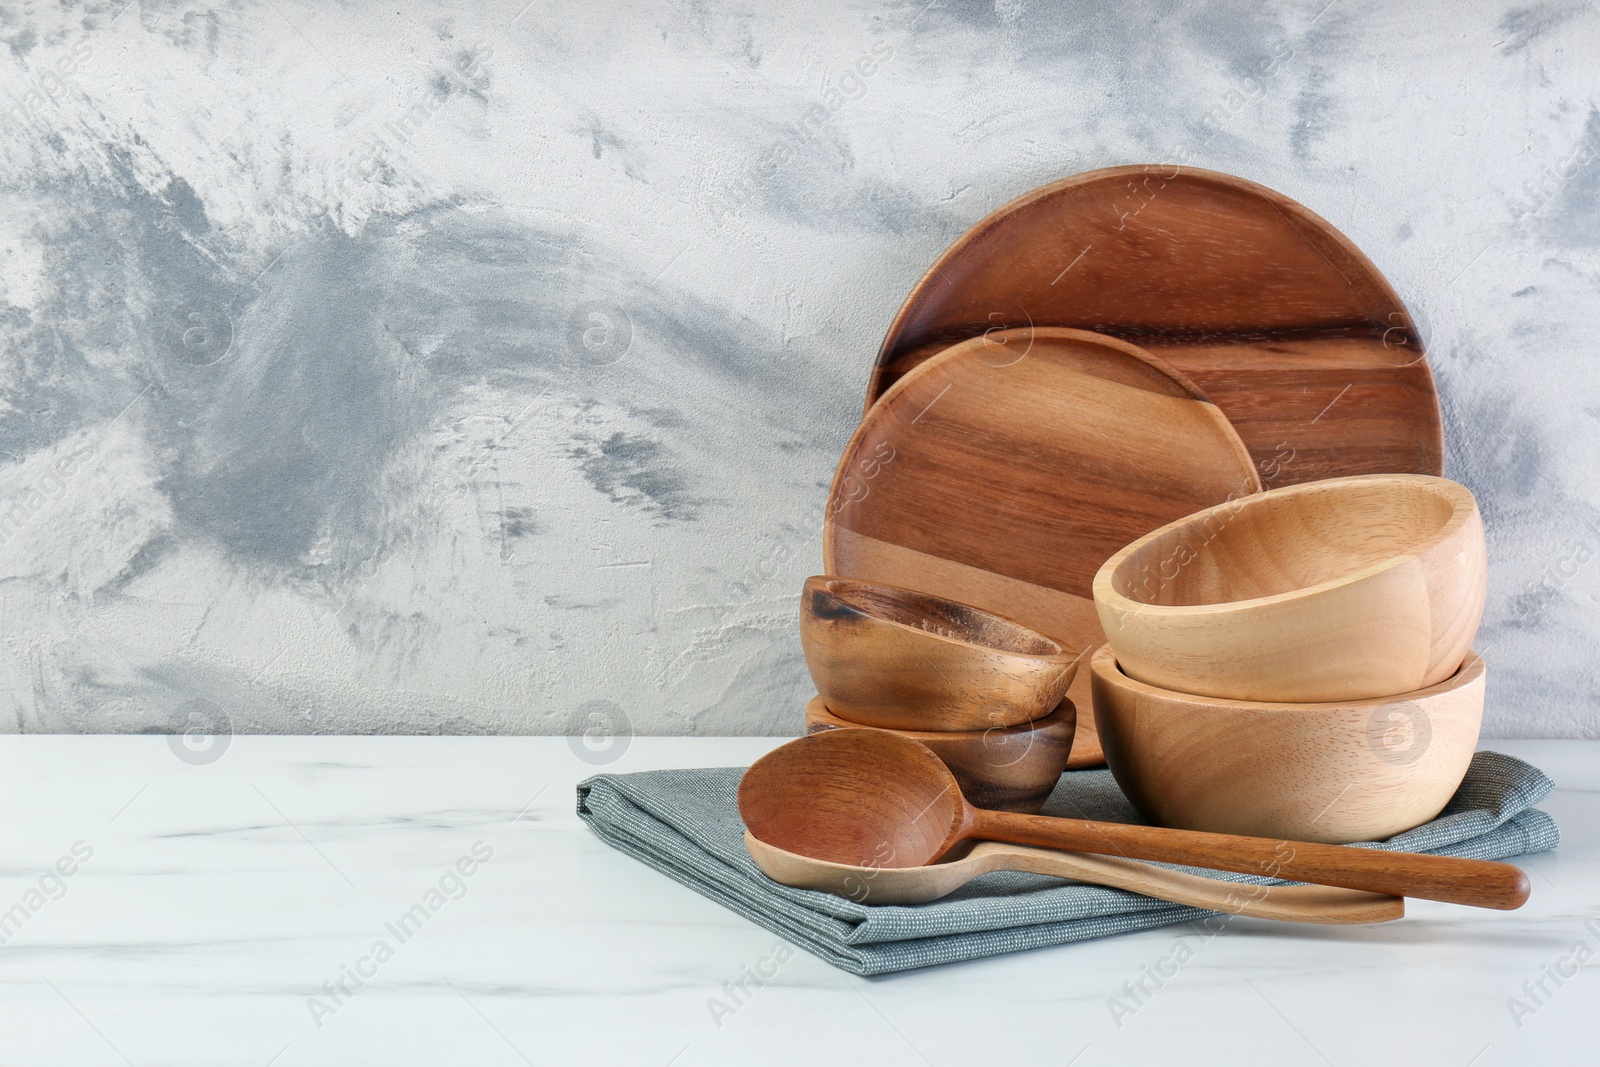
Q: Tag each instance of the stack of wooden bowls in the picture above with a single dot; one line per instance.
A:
(986, 694)
(1296, 663)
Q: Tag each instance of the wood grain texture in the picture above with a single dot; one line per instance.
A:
(1336, 773)
(1268, 308)
(918, 885)
(1002, 475)
(1335, 590)
(874, 798)
(1009, 769)
(885, 656)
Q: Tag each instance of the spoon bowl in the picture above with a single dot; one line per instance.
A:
(861, 797)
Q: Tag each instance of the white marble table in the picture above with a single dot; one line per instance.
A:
(209, 903)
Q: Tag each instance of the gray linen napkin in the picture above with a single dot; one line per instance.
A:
(686, 825)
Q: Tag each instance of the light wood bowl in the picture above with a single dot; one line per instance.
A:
(1330, 772)
(890, 657)
(1006, 769)
(1342, 589)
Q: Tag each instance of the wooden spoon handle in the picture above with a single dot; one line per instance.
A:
(1479, 883)
(1289, 903)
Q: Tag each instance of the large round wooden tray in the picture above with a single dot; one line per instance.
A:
(1272, 312)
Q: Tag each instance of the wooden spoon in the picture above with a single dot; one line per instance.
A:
(871, 798)
(918, 885)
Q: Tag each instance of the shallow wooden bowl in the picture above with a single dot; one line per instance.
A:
(1342, 589)
(896, 658)
(1331, 772)
(1007, 769)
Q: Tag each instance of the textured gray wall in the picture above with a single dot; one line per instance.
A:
(458, 370)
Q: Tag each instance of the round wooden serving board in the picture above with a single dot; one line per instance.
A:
(1276, 315)
(1003, 471)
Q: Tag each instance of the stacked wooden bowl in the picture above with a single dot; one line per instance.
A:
(1297, 664)
(986, 694)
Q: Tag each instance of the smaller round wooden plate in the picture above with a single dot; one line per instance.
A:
(1003, 471)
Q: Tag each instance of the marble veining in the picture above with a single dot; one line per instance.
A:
(232, 912)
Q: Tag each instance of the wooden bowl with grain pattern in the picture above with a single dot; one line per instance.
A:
(1005, 768)
(1343, 589)
(885, 656)
(1335, 772)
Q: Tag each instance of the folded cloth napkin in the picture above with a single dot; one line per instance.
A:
(686, 825)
